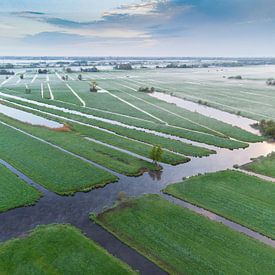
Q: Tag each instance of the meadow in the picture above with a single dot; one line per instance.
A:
(263, 165)
(55, 170)
(182, 242)
(14, 191)
(57, 249)
(244, 199)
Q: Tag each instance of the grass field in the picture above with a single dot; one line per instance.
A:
(73, 141)
(167, 143)
(14, 192)
(182, 242)
(121, 102)
(202, 137)
(244, 199)
(263, 165)
(57, 249)
(48, 166)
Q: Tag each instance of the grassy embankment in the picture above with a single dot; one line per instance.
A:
(262, 165)
(182, 242)
(14, 192)
(48, 166)
(57, 249)
(239, 197)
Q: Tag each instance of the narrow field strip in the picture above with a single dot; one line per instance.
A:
(183, 242)
(137, 108)
(165, 110)
(47, 165)
(34, 78)
(58, 249)
(14, 192)
(263, 166)
(42, 90)
(244, 199)
(214, 103)
(168, 143)
(212, 126)
(77, 96)
(72, 142)
(50, 91)
(201, 138)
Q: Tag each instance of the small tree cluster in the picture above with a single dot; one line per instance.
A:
(146, 89)
(270, 82)
(268, 128)
(156, 154)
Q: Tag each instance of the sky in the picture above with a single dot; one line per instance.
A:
(229, 28)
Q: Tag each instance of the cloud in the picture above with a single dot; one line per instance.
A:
(54, 38)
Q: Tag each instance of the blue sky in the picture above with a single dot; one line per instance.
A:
(138, 27)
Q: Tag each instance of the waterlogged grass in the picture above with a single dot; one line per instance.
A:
(244, 199)
(167, 143)
(57, 249)
(48, 166)
(73, 141)
(182, 242)
(263, 165)
(14, 192)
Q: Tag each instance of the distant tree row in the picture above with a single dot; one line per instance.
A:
(6, 72)
(270, 82)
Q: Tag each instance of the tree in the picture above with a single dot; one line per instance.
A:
(93, 86)
(156, 154)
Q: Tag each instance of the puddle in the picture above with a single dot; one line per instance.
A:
(28, 117)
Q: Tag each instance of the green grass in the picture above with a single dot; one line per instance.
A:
(201, 137)
(182, 242)
(57, 249)
(14, 192)
(170, 144)
(263, 165)
(244, 199)
(48, 166)
(73, 141)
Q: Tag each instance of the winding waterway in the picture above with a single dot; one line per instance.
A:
(75, 210)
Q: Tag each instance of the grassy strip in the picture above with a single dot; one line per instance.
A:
(263, 165)
(239, 197)
(190, 135)
(210, 123)
(167, 143)
(57, 249)
(48, 166)
(182, 242)
(72, 141)
(14, 192)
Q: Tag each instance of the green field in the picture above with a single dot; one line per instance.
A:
(14, 192)
(48, 166)
(167, 143)
(263, 165)
(73, 141)
(182, 242)
(120, 102)
(57, 249)
(244, 199)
